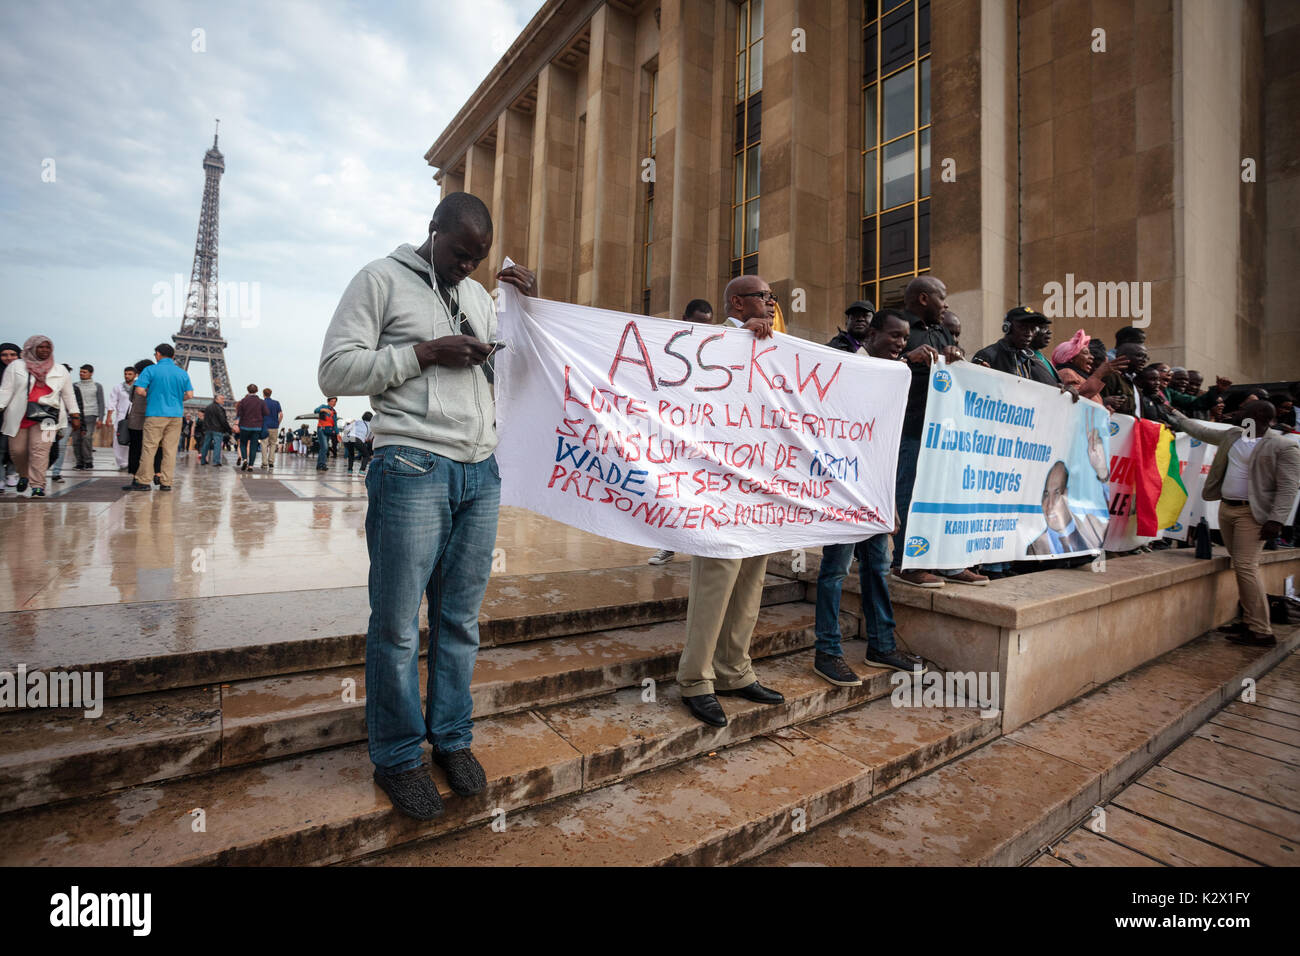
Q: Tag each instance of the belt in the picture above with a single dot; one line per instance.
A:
(1233, 501)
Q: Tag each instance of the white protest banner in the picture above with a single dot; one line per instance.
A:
(697, 438)
(1200, 456)
(1295, 508)
(1009, 469)
(1121, 534)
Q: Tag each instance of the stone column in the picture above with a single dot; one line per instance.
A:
(685, 175)
(555, 132)
(795, 248)
(609, 193)
(510, 202)
(480, 174)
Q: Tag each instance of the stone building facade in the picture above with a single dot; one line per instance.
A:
(639, 154)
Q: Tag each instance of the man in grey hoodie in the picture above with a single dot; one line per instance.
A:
(413, 332)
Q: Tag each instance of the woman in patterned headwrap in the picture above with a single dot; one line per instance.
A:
(36, 394)
(1074, 363)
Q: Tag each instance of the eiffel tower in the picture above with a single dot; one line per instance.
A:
(200, 336)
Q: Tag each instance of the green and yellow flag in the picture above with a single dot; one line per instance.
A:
(1173, 493)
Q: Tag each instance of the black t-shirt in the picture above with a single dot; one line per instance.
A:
(939, 338)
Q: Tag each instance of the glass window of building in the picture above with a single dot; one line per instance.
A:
(895, 147)
(747, 146)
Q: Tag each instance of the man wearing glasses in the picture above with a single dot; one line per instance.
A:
(726, 592)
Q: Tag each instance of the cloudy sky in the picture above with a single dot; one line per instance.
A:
(326, 109)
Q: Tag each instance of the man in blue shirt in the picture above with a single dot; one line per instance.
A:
(165, 387)
(271, 425)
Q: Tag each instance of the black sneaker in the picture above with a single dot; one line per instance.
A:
(899, 661)
(413, 792)
(135, 486)
(831, 667)
(22, 485)
(464, 773)
(38, 492)
(56, 477)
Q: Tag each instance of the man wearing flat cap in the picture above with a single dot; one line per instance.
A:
(857, 320)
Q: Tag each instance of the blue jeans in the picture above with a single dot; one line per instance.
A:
(250, 439)
(211, 444)
(909, 450)
(323, 436)
(873, 578)
(430, 529)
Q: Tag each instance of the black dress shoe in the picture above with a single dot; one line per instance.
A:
(1253, 639)
(136, 486)
(705, 707)
(757, 693)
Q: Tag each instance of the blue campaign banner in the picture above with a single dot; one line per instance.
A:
(1009, 470)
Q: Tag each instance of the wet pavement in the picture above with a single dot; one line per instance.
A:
(223, 532)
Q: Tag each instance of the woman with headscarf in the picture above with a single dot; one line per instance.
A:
(135, 430)
(36, 394)
(1075, 364)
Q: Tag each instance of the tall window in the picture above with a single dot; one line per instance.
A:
(749, 129)
(895, 147)
(648, 212)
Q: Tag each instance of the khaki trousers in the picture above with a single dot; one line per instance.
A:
(725, 597)
(268, 446)
(30, 449)
(1240, 533)
(159, 430)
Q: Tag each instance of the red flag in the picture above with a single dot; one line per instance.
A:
(1147, 480)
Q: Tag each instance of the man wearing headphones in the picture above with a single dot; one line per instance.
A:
(1014, 353)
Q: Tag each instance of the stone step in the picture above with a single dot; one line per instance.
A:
(323, 807)
(153, 646)
(1000, 805)
(723, 807)
(48, 756)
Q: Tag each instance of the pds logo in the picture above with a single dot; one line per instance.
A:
(916, 546)
(942, 380)
(1113, 428)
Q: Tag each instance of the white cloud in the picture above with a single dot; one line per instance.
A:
(326, 111)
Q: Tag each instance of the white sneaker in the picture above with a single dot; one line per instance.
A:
(11, 481)
(662, 556)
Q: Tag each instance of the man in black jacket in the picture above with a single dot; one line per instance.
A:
(925, 300)
(215, 429)
(853, 336)
(1014, 353)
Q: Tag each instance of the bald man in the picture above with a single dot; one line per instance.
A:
(926, 299)
(726, 592)
(1254, 477)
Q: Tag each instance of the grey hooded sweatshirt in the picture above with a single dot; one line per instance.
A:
(369, 349)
